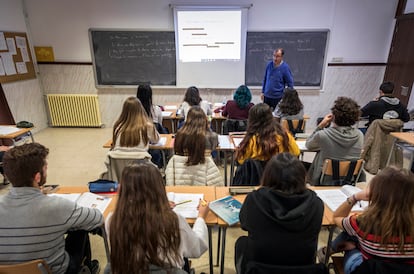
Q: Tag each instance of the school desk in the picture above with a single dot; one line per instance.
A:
(14, 133)
(404, 141)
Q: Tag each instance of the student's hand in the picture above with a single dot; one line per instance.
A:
(326, 121)
(172, 204)
(203, 209)
(363, 195)
(262, 97)
(4, 148)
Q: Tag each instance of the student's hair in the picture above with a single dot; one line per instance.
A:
(21, 163)
(242, 96)
(144, 94)
(387, 87)
(346, 111)
(192, 96)
(390, 213)
(284, 172)
(143, 229)
(190, 139)
(262, 125)
(132, 125)
(290, 103)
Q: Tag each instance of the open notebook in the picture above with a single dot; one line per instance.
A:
(87, 199)
(333, 198)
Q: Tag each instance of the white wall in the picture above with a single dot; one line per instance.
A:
(24, 97)
(361, 30)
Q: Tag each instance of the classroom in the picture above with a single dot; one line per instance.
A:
(356, 56)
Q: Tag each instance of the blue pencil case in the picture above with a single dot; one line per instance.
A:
(102, 185)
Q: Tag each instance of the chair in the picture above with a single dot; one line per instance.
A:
(347, 172)
(32, 267)
(294, 126)
(116, 166)
(233, 125)
(259, 268)
(249, 173)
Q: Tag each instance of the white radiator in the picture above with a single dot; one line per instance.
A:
(74, 110)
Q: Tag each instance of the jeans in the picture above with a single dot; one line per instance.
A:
(353, 257)
(271, 102)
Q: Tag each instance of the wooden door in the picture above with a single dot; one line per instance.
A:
(400, 65)
(6, 117)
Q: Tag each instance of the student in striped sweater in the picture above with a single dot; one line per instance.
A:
(385, 229)
(33, 225)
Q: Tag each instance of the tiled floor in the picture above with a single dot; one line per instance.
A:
(77, 157)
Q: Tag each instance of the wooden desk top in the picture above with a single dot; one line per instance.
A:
(407, 137)
(208, 191)
(13, 135)
(327, 219)
(169, 144)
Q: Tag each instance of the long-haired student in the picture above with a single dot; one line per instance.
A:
(192, 162)
(145, 233)
(384, 230)
(264, 137)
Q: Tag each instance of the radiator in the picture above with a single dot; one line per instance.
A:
(74, 110)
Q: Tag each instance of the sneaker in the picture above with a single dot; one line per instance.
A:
(321, 254)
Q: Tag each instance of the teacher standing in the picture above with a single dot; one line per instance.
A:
(277, 77)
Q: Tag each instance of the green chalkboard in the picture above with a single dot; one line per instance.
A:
(131, 57)
(304, 52)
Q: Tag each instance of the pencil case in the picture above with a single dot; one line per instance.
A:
(102, 185)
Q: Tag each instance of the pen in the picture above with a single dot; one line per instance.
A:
(183, 202)
(203, 202)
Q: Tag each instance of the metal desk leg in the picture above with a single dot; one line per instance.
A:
(106, 243)
(391, 151)
(218, 247)
(225, 167)
(232, 169)
(223, 248)
(210, 250)
(331, 230)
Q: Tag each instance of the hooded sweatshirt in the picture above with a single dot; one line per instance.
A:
(282, 228)
(387, 107)
(340, 143)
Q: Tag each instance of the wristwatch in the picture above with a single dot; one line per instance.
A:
(351, 200)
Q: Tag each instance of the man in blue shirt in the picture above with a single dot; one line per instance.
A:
(277, 77)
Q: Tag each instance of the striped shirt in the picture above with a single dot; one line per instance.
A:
(33, 226)
(370, 246)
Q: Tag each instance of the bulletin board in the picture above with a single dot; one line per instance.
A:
(16, 62)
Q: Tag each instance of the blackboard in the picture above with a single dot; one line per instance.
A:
(130, 57)
(304, 53)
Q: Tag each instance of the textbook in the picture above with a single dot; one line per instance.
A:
(86, 199)
(227, 208)
(186, 203)
(333, 198)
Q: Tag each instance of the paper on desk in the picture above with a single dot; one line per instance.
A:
(161, 142)
(333, 198)
(301, 145)
(224, 142)
(187, 210)
(86, 199)
(166, 113)
(4, 130)
(170, 107)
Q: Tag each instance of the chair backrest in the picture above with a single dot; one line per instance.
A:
(117, 165)
(249, 173)
(350, 171)
(259, 268)
(32, 267)
(233, 125)
(294, 126)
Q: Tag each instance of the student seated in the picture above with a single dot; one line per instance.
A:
(384, 230)
(283, 217)
(341, 141)
(33, 225)
(153, 236)
(290, 107)
(192, 98)
(193, 163)
(264, 137)
(132, 133)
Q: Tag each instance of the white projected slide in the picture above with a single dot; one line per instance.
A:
(205, 36)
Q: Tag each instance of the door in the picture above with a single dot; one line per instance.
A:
(6, 117)
(400, 65)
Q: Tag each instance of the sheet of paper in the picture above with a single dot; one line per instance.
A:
(92, 200)
(161, 142)
(2, 72)
(333, 198)
(21, 67)
(8, 63)
(187, 209)
(237, 141)
(170, 107)
(166, 113)
(68, 196)
(224, 142)
(302, 145)
(4, 130)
